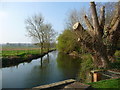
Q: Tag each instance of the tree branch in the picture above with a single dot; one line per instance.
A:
(90, 27)
(115, 26)
(83, 37)
(95, 18)
(102, 17)
(116, 16)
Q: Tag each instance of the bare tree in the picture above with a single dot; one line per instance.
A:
(34, 28)
(74, 16)
(99, 39)
(49, 35)
(39, 31)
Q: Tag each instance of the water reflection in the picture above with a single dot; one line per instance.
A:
(51, 68)
(68, 65)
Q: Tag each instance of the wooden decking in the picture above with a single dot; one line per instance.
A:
(63, 85)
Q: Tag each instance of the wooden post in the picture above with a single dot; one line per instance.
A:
(96, 76)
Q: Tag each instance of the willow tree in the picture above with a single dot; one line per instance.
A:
(100, 39)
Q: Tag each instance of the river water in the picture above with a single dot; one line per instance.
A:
(55, 67)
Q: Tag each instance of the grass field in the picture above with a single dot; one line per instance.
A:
(19, 52)
(14, 56)
(111, 83)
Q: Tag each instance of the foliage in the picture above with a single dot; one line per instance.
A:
(86, 66)
(87, 62)
(116, 65)
(111, 83)
(67, 42)
(117, 53)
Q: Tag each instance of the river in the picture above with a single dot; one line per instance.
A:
(55, 67)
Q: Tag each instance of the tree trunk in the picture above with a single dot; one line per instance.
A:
(100, 61)
(41, 47)
(101, 48)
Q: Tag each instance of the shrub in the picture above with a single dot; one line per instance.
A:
(117, 53)
(67, 42)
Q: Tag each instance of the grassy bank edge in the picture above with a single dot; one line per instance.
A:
(15, 60)
(109, 83)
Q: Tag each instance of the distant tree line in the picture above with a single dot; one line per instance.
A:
(18, 45)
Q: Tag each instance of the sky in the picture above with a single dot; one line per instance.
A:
(13, 15)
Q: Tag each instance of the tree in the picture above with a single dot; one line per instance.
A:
(77, 15)
(73, 17)
(49, 35)
(42, 33)
(100, 40)
(67, 42)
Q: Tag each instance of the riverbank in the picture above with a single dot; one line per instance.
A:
(12, 60)
(110, 83)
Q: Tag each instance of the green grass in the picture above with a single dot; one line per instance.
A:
(20, 53)
(111, 83)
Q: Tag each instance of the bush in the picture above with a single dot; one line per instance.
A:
(86, 66)
(67, 42)
(117, 53)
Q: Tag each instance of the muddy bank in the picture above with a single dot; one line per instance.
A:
(15, 60)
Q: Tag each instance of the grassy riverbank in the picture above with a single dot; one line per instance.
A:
(19, 52)
(110, 83)
(16, 56)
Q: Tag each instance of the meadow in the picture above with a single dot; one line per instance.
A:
(19, 52)
(15, 55)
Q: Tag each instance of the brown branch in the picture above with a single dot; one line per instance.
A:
(83, 37)
(102, 20)
(90, 27)
(116, 16)
(78, 26)
(95, 18)
(116, 25)
(102, 17)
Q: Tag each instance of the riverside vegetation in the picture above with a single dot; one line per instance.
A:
(96, 43)
(13, 56)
